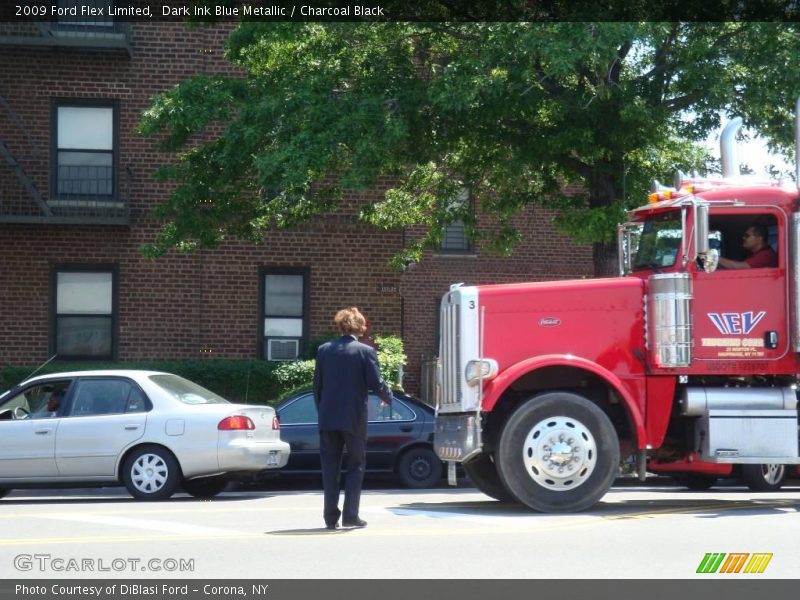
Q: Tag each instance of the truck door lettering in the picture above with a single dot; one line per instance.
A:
(736, 323)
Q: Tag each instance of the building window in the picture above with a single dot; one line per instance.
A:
(454, 235)
(84, 150)
(285, 310)
(454, 238)
(84, 312)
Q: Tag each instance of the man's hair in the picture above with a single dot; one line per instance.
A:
(350, 321)
(760, 231)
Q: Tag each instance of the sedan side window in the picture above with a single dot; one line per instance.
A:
(137, 402)
(37, 402)
(303, 410)
(101, 397)
(377, 411)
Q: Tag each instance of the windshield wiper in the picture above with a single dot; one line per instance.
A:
(652, 266)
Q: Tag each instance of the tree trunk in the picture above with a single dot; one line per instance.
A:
(604, 189)
(604, 255)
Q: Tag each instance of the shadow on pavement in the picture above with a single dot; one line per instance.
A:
(626, 509)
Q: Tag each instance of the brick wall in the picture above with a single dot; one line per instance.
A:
(207, 304)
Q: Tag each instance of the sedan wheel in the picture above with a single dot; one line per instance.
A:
(151, 473)
(205, 487)
(419, 468)
(764, 478)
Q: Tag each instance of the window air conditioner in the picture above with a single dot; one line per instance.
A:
(283, 349)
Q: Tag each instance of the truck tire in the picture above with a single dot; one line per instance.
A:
(482, 472)
(764, 478)
(558, 452)
(697, 482)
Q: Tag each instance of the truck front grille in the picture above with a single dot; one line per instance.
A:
(450, 354)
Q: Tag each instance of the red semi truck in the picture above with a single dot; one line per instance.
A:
(678, 365)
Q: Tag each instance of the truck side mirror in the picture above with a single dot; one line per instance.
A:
(701, 245)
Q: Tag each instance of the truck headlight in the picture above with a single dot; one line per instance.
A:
(482, 369)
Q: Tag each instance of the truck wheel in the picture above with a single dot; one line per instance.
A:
(419, 468)
(151, 473)
(764, 478)
(558, 452)
(697, 482)
(482, 472)
(205, 487)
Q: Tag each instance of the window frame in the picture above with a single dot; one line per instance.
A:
(55, 269)
(57, 103)
(75, 388)
(469, 243)
(305, 273)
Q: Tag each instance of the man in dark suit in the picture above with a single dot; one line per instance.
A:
(345, 372)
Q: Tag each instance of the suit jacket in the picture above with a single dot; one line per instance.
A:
(345, 372)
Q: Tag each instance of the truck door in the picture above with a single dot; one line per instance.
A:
(738, 313)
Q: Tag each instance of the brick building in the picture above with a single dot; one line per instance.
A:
(77, 187)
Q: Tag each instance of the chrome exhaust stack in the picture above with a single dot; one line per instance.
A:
(797, 143)
(727, 142)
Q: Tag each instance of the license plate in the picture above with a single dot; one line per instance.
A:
(272, 459)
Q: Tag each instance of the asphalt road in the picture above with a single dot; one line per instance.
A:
(637, 531)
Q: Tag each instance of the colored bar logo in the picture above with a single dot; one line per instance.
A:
(735, 562)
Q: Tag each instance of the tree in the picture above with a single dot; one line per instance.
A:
(512, 111)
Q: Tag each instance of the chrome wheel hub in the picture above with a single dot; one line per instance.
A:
(559, 453)
(772, 473)
(149, 473)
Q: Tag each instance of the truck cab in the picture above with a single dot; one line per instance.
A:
(680, 363)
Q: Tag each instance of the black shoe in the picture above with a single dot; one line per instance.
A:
(354, 523)
(331, 525)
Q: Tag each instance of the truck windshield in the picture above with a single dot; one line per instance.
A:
(659, 241)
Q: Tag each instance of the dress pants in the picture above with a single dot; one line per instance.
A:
(331, 447)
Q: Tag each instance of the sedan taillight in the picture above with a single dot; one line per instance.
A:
(236, 422)
(276, 422)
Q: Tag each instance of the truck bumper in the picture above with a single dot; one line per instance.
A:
(457, 438)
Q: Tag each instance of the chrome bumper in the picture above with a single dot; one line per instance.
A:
(457, 437)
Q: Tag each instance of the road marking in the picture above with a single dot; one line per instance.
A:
(382, 532)
(134, 523)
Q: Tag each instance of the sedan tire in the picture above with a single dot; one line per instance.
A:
(205, 487)
(151, 473)
(419, 468)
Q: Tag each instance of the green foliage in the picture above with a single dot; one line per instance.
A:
(512, 111)
(297, 375)
(391, 356)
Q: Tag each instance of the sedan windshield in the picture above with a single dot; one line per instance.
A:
(186, 391)
(659, 241)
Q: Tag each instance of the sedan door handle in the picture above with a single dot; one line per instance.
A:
(42, 431)
(131, 427)
(406, 428)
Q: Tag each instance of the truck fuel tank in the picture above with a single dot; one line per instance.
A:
(698, 400)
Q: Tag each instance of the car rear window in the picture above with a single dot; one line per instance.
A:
(186, 391)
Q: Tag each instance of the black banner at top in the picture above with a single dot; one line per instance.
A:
(404, 10)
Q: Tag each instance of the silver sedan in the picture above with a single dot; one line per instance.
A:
(153, 432)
